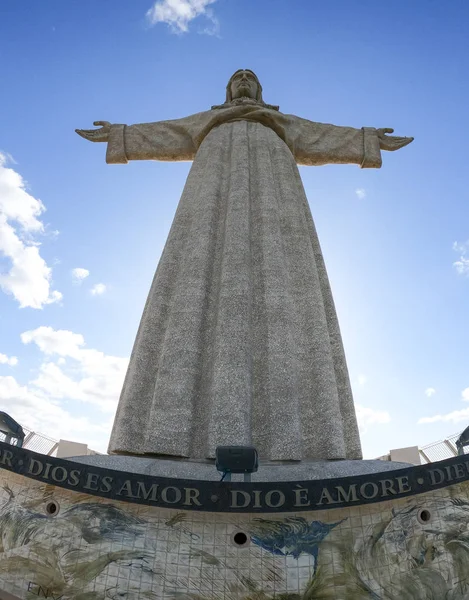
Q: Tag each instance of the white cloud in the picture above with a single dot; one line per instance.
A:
(362, 379)
(29, 278)
(70, 376)
(429, 392)
(369, 416)
(453, 417)
(98, 289)
(461, 247)
(462, 265)
(12, 361)
(456, 416)
(79, 274)
(361, 193)
(93, 377)
(179, 13)
(39, 413)
(51, 341)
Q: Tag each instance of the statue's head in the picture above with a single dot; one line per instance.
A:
(244, 87)
(244, 84)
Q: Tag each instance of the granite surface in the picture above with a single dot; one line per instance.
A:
(239, 342)
(206, 471)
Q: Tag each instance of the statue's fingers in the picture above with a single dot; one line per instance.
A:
(395, 143)
(100, 123)
(88, 134)
(388, 130)
(407, 140)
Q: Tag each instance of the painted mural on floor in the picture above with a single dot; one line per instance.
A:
(96, 549)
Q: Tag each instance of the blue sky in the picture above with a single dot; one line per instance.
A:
(395, 240)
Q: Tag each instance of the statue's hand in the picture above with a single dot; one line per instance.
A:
(392, 142)
(96, 135)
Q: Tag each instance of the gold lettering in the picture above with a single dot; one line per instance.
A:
(326, 498)
(92, 482)
(280, 501)
(74, 478)
(374, 491)
(6, 458)
(434, 473)
(349, 496)
(257, 499)
(403, 485)
(387, 487)
(234, 499)
(105, 484)
(176, 492)
(46, 472)
(58, 478)
(126, 487)
(458, 470)
(35, 463)
(143, 492)
(191, 497)
(301, 497)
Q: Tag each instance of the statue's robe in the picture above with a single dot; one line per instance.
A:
(239, 342)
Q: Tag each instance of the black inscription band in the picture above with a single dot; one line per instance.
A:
(217, 496)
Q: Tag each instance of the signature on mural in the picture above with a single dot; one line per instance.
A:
(38, 590)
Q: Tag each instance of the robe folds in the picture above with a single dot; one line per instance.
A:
(239, 342)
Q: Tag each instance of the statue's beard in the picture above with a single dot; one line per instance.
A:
(244, 100)
(244, 91)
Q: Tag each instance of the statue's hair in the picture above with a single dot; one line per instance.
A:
(229, 101)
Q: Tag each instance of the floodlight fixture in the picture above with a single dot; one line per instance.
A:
(236, 459)
(11, 429)
(462, 441)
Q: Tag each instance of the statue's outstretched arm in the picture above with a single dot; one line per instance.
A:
(320, 143)
(161, 140)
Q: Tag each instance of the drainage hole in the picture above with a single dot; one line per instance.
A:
(240, 538)
(52, 508)
(424, 516)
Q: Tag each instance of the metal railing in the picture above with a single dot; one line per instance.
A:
(440, 450)
(37, 442)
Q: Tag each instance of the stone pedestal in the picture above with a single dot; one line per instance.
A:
(93, 528)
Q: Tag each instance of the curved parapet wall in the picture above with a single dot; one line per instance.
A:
(217, 496)
(79, 532)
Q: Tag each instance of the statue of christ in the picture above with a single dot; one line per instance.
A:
(239, 342)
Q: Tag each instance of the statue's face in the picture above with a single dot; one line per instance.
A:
(244, 84)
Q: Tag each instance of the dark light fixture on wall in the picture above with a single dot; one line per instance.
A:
(11, 429)
(462, 441)
(236, 459)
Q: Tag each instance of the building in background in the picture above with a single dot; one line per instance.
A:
(433, 452)
(37, 442)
